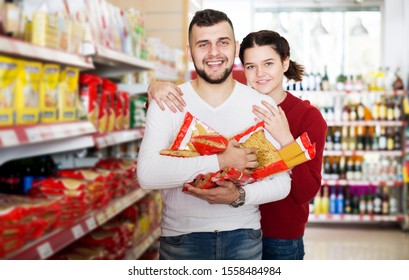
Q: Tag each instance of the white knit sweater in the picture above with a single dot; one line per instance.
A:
(183, 213)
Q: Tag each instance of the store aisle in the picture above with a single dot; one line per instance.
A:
(340, 242)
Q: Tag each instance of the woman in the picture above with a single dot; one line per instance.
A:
(265, 56)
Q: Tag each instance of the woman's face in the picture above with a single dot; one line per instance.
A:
(264, 69)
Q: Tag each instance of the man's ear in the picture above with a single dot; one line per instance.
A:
(189, 53)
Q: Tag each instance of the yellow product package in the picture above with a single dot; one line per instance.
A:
(27, 105)
(68, 89)
(49, 93)
(9, 71)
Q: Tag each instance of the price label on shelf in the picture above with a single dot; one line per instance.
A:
(91, 223)
(77, 231)
(366, 218)
(100, 218)
(336, 217)
(8, 138)
(33, 135)
(45, 250)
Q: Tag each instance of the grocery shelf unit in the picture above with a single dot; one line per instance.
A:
(40, 139)
(335, 106)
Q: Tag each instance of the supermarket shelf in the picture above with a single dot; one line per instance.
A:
(340, 182)
(366, 123)
(362, 153)
(348, 218)
(51, 243)
(30, 134)
(112, 63)
(334, 93)
(138, 251)
(32, 140)
(133, 89)
(118, 137)
(25, 50)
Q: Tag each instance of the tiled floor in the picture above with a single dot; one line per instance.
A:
(340, 242)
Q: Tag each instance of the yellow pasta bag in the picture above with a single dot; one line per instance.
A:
(9, 71)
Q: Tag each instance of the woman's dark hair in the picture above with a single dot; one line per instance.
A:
(279, 44)
(208, 17)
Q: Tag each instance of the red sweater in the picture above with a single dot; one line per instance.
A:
(286, 219)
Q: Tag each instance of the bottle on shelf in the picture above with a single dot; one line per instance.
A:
(393, 201)
(398, 82)
(325, 86)
(382, 109)
(377, 202)
(348, 201)
(325, 200)
(355, 201)
(368, 139)
(363, 203)
(340, 201)
(390, 138)
(360, 138)
(329, 143)
(360, 110)
(369, 203)
(382, 139)
(385, 201)
(333, 203)
(317, 203)
(337, 139)
(350, 169)
(352, 139)
(342, 168)
(344, 138)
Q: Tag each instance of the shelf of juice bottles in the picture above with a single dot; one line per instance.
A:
(144, 244)
(51, 243)
(396, 153)
(366, 123)
(348, 218)
(342, 182)
(113, 61)
(351, 92)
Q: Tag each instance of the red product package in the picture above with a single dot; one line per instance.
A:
(90, 94)
(125, 105)
(109, 90)
(195, 138)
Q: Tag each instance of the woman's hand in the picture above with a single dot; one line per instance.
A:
(168, 93)
(275, 121)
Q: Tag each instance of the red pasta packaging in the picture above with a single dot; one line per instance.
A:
(196, 138)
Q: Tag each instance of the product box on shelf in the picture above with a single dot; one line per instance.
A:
(49, 96)
(27, 105)
(68, 90)
(9, 71)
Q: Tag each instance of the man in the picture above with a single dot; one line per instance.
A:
(224, 222)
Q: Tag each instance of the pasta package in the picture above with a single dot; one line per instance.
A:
(195, 139)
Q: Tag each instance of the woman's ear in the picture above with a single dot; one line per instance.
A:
(286, 64)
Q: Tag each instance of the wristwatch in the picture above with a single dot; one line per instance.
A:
(241, 199)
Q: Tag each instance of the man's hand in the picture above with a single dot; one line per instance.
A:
(225, 193)
(168, 93)
(243, 159)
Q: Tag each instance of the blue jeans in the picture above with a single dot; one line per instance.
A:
(240, 244)
(283, 249)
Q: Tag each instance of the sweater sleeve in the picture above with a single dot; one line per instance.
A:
(308, 180)
(155, 171)
(271, 189)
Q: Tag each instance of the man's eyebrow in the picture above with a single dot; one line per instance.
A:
(218, 39)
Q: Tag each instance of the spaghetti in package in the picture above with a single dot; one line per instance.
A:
(196, 138)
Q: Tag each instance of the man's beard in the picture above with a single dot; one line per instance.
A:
(202, 74)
